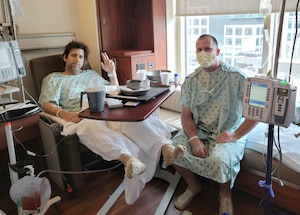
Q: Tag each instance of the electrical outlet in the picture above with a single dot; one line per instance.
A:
(150, 65)
(140, 66)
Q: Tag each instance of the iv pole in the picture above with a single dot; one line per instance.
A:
(268, 182)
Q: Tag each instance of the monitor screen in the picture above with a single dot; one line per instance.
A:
(4, 62)
(8, 70)
(258, 94)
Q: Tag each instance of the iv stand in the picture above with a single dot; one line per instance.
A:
(268, 182)
(11, 151)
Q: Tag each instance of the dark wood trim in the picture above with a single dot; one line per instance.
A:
(285, 197)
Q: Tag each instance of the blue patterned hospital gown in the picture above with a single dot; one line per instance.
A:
(215, 101)
(65, 90)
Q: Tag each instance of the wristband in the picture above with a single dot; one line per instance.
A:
(57, 113)
(192, 138)
(111, 74)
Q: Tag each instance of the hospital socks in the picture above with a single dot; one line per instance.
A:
(132, 165)
(185, 198)
(226, 207)
(170, 152)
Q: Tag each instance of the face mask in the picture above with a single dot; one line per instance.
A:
(205, 59)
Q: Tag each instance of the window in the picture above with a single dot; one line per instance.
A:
(258, 31)
(229, 41)
(228, 31)
(239, 47)
(238, 31)
(238, 41)
(248, 31)
(204, 22)
(241, 36)
(241, 40)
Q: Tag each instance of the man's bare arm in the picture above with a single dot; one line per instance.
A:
(55, 110)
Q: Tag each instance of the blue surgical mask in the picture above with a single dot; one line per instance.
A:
(205, 59)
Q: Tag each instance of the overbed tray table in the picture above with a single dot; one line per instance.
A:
(137, 113)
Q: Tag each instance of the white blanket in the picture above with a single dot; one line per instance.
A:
(111, 139)
(290, 144)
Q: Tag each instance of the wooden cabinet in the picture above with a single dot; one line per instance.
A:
(134, 33)
(128, 62)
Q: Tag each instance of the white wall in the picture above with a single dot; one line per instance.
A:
(80, 16)
(59, 16)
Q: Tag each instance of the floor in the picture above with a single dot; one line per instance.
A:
(99, 186)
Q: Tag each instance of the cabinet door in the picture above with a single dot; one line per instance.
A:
(126, 24)
(114, 23)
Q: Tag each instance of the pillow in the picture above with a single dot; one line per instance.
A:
(173, 102)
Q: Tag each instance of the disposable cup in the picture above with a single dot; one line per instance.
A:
(141, 74)
(165, 78)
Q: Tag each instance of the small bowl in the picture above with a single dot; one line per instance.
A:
(134, 84)
(155, 75)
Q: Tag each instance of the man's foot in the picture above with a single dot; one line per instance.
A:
(170, 153)
(133, 166)
(226, 207)
(184, 199)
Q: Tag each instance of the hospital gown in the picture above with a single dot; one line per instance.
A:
(143, 140)
(215, 101)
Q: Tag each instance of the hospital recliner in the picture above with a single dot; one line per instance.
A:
(66, 153)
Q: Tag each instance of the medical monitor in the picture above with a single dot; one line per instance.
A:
(8, 70)
(269, 100)
(257, 100)
(258, 94)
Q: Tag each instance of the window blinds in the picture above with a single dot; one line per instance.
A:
(225, 7)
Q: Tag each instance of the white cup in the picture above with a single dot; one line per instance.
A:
(165, 78)
(146, 84)
(141, 74)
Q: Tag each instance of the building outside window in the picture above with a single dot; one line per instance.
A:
(241, 40)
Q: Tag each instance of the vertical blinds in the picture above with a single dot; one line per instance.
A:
(224, 7)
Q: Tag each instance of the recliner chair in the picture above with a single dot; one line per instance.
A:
(66, 153)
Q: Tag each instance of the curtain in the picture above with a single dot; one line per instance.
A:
(225, 7)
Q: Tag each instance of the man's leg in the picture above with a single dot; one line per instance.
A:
(110, 145)
(226, 205)
(133, 166)
(170, 152)
(152, 136)
(192, 190)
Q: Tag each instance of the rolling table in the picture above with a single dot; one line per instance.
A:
(133, 114)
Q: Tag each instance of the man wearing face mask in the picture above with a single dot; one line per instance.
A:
(213, 128)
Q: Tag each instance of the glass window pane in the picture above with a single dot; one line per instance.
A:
(239, 37)
(248, 31)
(238, 31)
(228, 31)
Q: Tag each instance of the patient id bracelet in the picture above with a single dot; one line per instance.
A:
(192, 138)
(57, 112)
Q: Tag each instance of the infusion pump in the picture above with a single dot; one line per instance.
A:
(269, 100)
